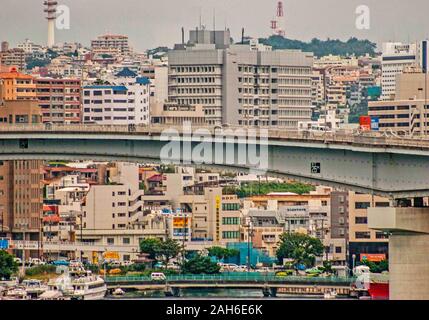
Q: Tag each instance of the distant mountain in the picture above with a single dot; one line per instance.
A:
(320, 48)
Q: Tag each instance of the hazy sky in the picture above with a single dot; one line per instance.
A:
(151, 23)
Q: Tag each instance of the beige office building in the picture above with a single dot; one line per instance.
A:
(363, 240)
(406, 114)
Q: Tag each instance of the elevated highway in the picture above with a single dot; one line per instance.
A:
(371, 163)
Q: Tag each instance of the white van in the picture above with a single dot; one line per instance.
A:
(158, 276)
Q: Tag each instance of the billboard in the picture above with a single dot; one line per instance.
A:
(375, 124)
(365, 123)
(111, 255)
(4, 244)
(180, 222)
(373, 257)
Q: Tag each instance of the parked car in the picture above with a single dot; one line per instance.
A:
(61, 263)
(285, 273)
(173, 266)
(115, 271)
(36, 262)
(228, 267)
(241, 269)
(126, 263)
(158, 276)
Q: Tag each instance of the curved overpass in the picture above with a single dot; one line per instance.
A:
(371, 163)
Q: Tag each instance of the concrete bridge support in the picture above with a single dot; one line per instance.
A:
(408, 250)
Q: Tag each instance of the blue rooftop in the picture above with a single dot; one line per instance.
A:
(143, 80)
(117, 88)
(126, 73)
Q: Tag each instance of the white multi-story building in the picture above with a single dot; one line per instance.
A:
(396, 56)
(125, 101)
(112, 208)
(30, 47)
(110, 43)
(241, 84)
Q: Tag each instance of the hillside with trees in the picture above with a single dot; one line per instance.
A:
(353, 46)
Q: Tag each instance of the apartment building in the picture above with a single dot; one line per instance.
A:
(13, 57)
(406, 114)
(363, 241)
(215, 217)
(30, 47)
(396, 56)
(110, 44)
(176, 115)
(21, 199)
(124, 102)
(17, 86)
(239, 85)
(20, 112)
(59, 100)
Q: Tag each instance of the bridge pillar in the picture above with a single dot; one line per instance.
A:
(408, 250)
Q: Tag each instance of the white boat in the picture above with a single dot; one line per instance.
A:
(118, 292)
(17, 293)
(34, 288)
(12, 282)
(58, 289)
(89, 287)
(330, 295)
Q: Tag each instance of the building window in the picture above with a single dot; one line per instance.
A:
(363, 235)
(361, 220)
(230, 234)
(382, 204)
(126, 240)
(110, 241)
(230, 220)
(338, 250)
(362, 205)
(381, 235)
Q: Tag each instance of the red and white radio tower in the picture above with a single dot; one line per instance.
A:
(278, 22)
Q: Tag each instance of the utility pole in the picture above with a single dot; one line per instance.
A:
(23, 226)
(81, 235)
(249, 239)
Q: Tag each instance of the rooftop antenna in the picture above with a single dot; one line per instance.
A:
(214, 24)
(201, 19)
(214, 19)
(183, 35)
(242, 36)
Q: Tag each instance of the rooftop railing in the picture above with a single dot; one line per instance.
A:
(235, 277)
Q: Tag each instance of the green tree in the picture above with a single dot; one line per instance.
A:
(7, 265)
(222, 253)
(168, 250)
(302, 248)
(375, 267)
(200, 265)
(150, 246)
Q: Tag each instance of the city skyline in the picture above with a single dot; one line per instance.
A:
(147, 30)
